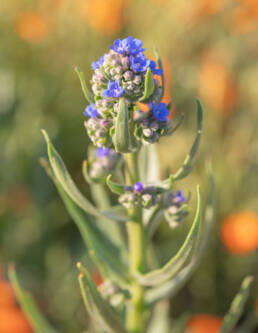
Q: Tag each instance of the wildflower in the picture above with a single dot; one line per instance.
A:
(160, 111)
(91, 111)
(239, 232)
(114, 89)
(175, 208)
(179, 198)
(128, 46)
(138, 195)
(138, 187)
(97, 64)
(102, 152)
(203, 323)
(139, 63)
(155, 70)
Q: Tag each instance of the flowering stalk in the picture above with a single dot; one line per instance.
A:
(123, 136)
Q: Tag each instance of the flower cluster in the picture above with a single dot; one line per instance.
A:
(175, 208)
(138, 195)
(104, 163)
(121, 73)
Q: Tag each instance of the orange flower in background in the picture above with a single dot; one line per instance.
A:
(32, 27)
(105, 16)
(244, 17)
(239, 232)
(217, 86)
(203, 323)
(12, 319)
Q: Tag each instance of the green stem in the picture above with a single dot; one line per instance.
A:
(136, 243)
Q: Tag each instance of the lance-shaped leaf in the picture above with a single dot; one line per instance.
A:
(114, 187)
(160, 319)
(87, 94)
(189, 160)
(171, 287)
(98, 244)
(237, 306)
(162, 74)
(121, 138)
(65, 180)
(177, 262)
(149, 86)
(85, 172)
(36, 319)
(96, 305)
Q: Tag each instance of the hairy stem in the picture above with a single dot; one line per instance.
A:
(136, 243)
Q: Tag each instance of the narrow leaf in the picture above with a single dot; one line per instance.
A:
(87, 94)
(64, 178)
(189, 160)
(176, 263)
(149, 86)
(97, 243)
(36, 319)
(237, 306)
(122, 139)
(163, 83)
(85, 172)
(171, 287)
(160, 319)
(95, 302)
(114, 187)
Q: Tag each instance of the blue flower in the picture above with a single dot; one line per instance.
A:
(114, 89)
(139, 63)
(128, 46)
(138, 187)
(91, 111)
(96, 64)
(160, 111)
(179, 198)
(102, 152)
(155, 70)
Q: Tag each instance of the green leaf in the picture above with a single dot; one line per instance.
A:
(87, 94)
(171, 287)
(160, 319)
(85, 172)
(36, 319)
(176, 263)
(64, 178)
(114, 187)
(189, 160)
(122, 139)
(171, 130)
(98, 244)
(163, 83)
(96, 305)
(149, 86)
(237, 306)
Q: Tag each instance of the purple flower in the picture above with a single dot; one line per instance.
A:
(128, 46)
(179, 198)
(139, 63)
(155, 70)
(102, 152)
(160, 111)
(113, 90)
(97, 64)
(138, 187)
(91, 111)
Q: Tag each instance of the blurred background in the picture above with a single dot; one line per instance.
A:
(210, 50)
